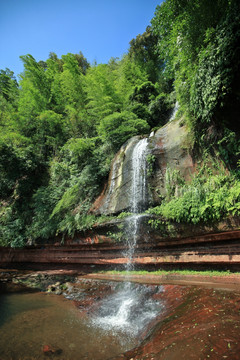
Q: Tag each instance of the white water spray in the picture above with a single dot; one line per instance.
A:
(139, 176)
(131, 308)
(139, 198)
(128, 310)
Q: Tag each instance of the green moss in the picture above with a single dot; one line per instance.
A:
(171, 272)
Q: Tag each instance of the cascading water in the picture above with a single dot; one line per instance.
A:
(139, 198)
(139, 176)
(174, 111)
(131, 307)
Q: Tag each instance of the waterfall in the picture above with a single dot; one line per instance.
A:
(139, 198)
(174, 111)
(131, 308)
(139, 176)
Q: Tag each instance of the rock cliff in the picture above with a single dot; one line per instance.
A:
(166, 149)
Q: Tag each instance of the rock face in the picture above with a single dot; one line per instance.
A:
(166, 150)
(117, 195)
(170, 150)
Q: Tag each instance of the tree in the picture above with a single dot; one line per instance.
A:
(82, 62)
(34, 95)
(8, 85)
(216, 83)
(143, 51)
(183, 29)
(129, 75)
(119, 127)
(144, 93)
(102, 95)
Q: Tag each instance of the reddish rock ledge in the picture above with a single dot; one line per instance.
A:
(221, 250)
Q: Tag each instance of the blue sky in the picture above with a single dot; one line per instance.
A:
(100, 29)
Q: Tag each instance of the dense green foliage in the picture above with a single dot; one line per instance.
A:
(207, 199)
(199, 41)
(61, 125)
(60, 128)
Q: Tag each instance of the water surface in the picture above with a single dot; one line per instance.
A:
(102, 322)
(31, 321)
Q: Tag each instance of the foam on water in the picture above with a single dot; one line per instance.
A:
(128, 310)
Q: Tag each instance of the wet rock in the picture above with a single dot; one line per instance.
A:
(69, 286)
(55, 288)
(116, 196)
(15, 281)
(50, 288)
(171, 152)
(58, 292)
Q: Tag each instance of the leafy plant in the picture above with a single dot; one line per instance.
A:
(208, 201)
(150, 164)
(123, 215)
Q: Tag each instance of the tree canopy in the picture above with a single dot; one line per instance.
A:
(61, 125)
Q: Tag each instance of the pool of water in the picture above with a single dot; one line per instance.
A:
(31, 322)
(102, 320)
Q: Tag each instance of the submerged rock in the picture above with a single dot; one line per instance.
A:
(49, 350)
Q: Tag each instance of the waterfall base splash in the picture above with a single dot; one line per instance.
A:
(129, 310)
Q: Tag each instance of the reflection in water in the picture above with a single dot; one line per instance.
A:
(9, 307)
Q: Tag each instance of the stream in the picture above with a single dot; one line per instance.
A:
(156, 322)
(94, 320)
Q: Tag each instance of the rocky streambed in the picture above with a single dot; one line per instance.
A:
(189, 322)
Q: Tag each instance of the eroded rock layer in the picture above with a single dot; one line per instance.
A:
(220, 249)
